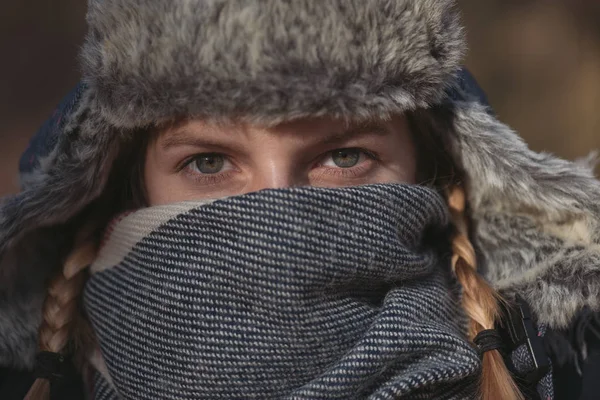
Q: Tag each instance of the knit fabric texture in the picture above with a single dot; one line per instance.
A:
(302, 293)
(523, 363)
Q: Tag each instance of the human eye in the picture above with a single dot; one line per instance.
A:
(208, 168)
(345, 158)
(347, 162)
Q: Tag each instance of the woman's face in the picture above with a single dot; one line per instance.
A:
(195, 160)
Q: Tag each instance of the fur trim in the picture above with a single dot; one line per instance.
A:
(537, 217)
(505, 174)
(24, 271)
(347, 58)
(554, 265)
(69, 178)
(66, 180)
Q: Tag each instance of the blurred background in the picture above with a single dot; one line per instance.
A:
(538, 60)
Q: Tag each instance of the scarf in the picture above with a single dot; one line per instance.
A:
(302, 293)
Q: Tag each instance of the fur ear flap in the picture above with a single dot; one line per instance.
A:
(20, 309)
(33, 235)
(536, 217)
(72, 175)
(504, 173)
(25, 269)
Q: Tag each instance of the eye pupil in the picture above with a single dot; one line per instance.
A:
(209, 163)
(345, 158)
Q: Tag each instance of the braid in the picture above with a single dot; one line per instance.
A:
(61, 310)
(480, 302)
(64, 329)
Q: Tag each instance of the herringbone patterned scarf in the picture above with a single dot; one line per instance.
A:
(301, 293)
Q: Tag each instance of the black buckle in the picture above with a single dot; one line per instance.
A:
(49, 365)
(517, 328)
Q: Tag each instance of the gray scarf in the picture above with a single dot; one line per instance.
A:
(304, 293)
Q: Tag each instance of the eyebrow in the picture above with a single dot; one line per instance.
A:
(185, 137)
(364, 129)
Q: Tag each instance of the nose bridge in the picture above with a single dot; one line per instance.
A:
(273, 164)
(274, 172)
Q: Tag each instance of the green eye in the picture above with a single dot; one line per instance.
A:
(345, 158)
(209, 163)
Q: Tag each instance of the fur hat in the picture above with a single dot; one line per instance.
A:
(535, 217)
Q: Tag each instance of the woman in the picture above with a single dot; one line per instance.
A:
(294, 188)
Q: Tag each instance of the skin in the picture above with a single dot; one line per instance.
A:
(196, 160)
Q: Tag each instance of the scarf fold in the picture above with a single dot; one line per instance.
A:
(299, 293)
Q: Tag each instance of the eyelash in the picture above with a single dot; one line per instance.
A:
(213, 179)
(210, 179)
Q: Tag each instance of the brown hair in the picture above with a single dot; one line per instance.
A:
(436, 168)
(64, 329)
(61, 314)
(432, 130)
(480, 302)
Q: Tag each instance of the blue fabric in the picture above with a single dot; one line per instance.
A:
(46, 138)
(467, 85)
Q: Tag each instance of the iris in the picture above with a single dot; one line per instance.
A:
(209, 163)
(345, 158)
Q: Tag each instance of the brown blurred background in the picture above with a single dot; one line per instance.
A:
(538, 60)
